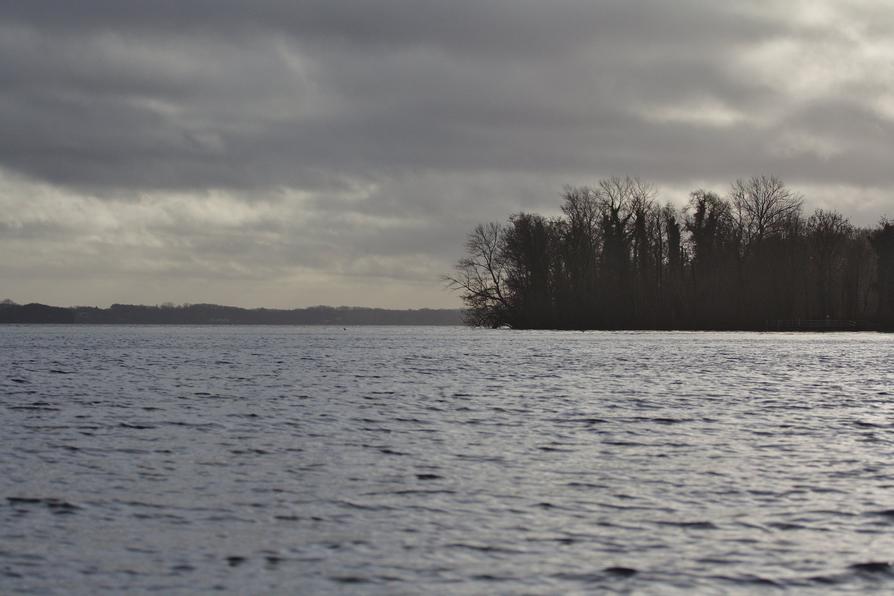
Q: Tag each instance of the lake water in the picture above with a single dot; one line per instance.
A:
(443, 460)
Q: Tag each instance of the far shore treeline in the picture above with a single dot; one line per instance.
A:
(213, 314)
(618, 259)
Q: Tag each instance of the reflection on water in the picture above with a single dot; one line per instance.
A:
(388, 460)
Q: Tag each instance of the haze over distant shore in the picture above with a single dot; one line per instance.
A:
(214, 314)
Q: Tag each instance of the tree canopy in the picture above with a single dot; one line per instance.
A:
(619, 259)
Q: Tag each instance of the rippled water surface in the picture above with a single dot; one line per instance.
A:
(443, 460)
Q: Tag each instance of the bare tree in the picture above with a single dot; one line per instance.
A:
(581, 206)
(616, 194)
(481, 276)
(616, 200)
(642, 208)
(762, 207)
(582, 238)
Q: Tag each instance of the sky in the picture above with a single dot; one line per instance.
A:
(287, 153)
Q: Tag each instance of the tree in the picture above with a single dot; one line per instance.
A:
(581, 236)
(714, 285)
(481, 277)
(616, 259)
(882, 240)
(709, 221)
(645, 263)
(616, 196)
(827, 232)
(528, 248)
(762, 205)
(672, 279)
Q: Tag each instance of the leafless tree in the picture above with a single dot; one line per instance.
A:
(481, 276)
(762, 207)
(616, 197)
(581, 206)
(582, 234)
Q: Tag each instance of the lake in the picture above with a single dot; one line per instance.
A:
(390, 460)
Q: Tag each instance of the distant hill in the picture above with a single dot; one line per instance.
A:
(34, 313)
(214, 314)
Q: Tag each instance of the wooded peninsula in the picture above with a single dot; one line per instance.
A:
(618, 259)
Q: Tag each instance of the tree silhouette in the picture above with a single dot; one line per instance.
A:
(827, 232)
(882, 241)
(616, 258)
(481, 277)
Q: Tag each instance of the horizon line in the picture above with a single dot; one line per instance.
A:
(10, 302)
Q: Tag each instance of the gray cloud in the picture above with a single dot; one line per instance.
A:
(361, 140)
(238, 94)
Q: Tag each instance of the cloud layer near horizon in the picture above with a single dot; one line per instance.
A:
(291, 153)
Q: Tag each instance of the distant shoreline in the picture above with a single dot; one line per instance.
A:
(214, 314)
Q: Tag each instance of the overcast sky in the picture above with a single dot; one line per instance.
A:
(289, 153)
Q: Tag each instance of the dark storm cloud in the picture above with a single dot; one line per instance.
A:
(515, 26)
(239, 94)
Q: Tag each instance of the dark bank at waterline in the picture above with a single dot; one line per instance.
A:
(215, 315)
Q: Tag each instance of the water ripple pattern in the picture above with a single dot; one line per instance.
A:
(443, 460)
